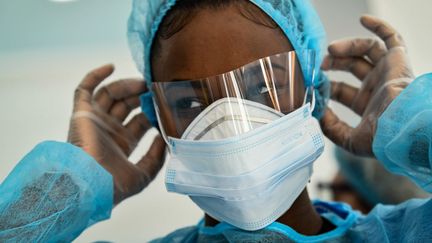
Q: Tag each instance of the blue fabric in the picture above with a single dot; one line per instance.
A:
(373, 182)
(148, 109)
(403, 140)
(53, 194)
(408, 222)
(297, 19)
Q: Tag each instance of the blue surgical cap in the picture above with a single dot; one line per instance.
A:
(297, 19)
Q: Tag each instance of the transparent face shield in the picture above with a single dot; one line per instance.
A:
(235, 102)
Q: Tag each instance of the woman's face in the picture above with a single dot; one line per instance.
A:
(211, 43)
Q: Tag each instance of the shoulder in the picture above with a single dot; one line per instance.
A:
(399, 223)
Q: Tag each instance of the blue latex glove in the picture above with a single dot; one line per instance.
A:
(53, 194)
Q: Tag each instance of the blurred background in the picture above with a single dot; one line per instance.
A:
(46, 47)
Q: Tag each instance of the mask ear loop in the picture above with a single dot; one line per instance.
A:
(313, 98)
(310, 57)
(313, 101)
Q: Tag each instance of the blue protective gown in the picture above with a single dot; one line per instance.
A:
(57, 190)
(407, 222)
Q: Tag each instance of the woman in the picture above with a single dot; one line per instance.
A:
(199, 40)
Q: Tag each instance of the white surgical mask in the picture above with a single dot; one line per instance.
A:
(247, 180)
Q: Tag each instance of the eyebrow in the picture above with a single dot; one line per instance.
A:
(176, 83)
(185, 83)
(256, 69)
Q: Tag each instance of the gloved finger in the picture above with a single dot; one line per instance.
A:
(103, 99)
(122, 89)
(138, 126)
(344, 94)
(372, 48)
(125, 88)
(84, 91)
(153, 161)
(121, 109)
(96, 122)
(336, 130)
(385, 31)
(362, 101)
(358, 66)
(357, 99)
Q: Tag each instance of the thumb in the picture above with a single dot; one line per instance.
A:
(337, 130)
(153, 161)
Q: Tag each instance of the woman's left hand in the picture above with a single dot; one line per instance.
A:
(382, 66)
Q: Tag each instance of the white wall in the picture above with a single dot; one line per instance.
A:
(413, 20)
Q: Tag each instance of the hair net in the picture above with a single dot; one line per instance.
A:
(297, 19)
(53, 194)
(403, 140)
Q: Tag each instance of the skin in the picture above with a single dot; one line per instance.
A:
(208, 46)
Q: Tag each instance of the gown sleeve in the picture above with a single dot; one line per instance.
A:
(403, 139)
(53, 194)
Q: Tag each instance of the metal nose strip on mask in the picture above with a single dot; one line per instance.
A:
(230, 118)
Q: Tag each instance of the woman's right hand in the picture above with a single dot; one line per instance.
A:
(98, 126)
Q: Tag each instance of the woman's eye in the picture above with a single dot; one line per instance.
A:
(263, 90)
(195, 104)
(189, 103)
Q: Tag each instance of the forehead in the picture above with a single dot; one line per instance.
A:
(213, 42)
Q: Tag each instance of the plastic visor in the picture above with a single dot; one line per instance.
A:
(276, 82)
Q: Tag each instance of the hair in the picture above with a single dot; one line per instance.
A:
(184, 10)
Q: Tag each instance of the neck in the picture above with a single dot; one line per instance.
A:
(302, 217)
